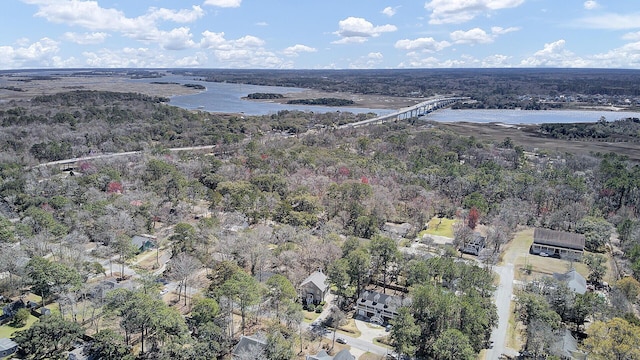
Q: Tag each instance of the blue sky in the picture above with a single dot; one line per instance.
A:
(304, 34)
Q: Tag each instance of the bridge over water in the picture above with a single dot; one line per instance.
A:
(414, 111)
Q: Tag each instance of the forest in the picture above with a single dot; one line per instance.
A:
(274, 198)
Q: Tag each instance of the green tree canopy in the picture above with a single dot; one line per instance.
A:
(48, 338)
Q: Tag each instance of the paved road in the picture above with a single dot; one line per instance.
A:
(503, 296)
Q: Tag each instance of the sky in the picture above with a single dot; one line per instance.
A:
(320, 34)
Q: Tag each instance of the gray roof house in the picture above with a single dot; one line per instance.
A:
(249, 348)
(561, 244)
(7, 347)
(314, 288)
(574, 281)
(378, 307)
(341, 355)
(144, 242)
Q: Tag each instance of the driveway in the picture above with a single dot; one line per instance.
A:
(363, 343)
(502, 298)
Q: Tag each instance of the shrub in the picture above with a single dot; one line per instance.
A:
(319, 309)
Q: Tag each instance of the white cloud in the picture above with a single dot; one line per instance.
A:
(473, 36)
(459, 11)
(38, 54)
(90, 15)
(223, 3)
(245, 52)
(496, 61)
(497, 30)
(176, 39)
(479, 36)
(200, 59)
(626, 56)
(86, 38)
(357, 30)
(127, 57)
(428, 44)
(633, 36)
(298, 48)
(554, 55)
(370, 61)
(179, 16)
(262, 23)
(591, 4)
(611, 21)
(390, 11)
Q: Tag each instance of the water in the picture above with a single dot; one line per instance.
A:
(227, 98)
(527, 116)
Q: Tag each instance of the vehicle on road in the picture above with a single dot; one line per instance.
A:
(341, 341)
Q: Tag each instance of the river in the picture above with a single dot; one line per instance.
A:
(527, 116)
(228, 98)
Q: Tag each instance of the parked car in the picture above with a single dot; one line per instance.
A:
(341, 341)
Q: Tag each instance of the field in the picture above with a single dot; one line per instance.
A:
(439, 227)
(520, 135)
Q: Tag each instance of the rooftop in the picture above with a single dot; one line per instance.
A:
(558, 238)
(7, 344)
(319, 279)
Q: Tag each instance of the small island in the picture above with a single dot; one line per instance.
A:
(322, 101)
(264, 96)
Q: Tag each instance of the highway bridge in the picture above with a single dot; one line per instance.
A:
(410, 112)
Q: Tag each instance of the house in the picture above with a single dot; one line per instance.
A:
(574, 281)
(341, 355)
(566, 347)
(314, 288)
(379, 308)
(144, 242)
(397, 230)
(10, 310)
(249, 348)
(475, 246)
(7, 347)
(560, 244)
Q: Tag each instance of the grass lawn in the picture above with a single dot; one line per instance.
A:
(513, 340)
(6, 331)
(439, 226)
(517, 252)
(310, 316)
(370, 356)
(350, 329)
(383, 342)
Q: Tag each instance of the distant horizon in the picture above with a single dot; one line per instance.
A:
(340, 35)
(315, 70)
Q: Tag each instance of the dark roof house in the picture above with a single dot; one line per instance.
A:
(475, 246)
(561, 244)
